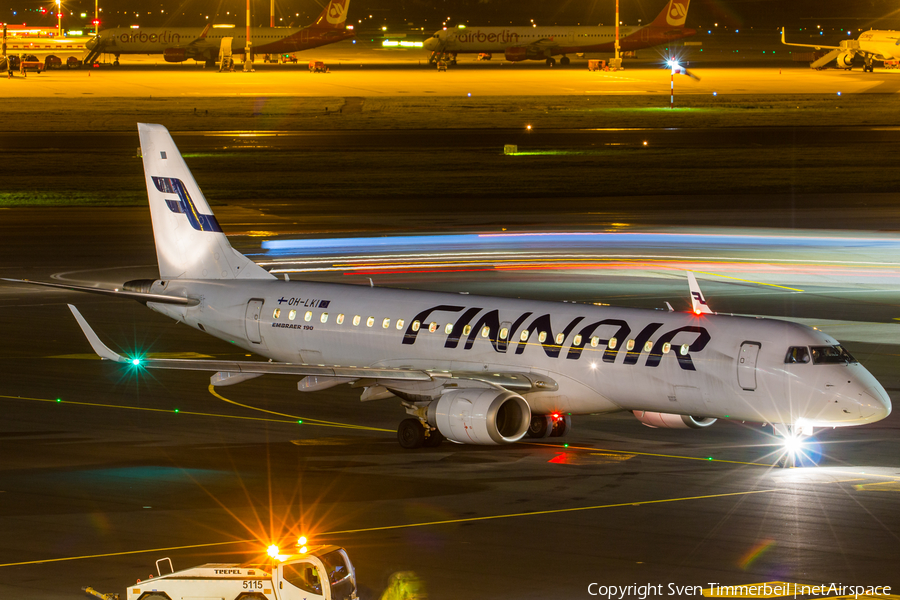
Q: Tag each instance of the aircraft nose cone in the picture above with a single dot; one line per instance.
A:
(877, 403)
(92, 43)
(431, 43)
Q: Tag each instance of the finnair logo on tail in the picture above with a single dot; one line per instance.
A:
(677, 14)
(184, 205)
(337, 12)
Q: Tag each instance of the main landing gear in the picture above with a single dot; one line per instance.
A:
(413, 434)
(555, 425)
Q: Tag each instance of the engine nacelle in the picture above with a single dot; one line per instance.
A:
(481, 416)
(516, 54)
(175, 55)
(670, 421)
(845, 60)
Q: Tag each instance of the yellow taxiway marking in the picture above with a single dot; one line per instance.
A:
(196, 414)
(212, 390)
(410, 525)
(632, 452)
(784, 287)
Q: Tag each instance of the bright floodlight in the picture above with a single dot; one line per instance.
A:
(272, 551)
(793, 444)
(135, 361)
(301, 541)
(672, 63)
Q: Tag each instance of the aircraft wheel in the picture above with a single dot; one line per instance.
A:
(434, 439)
(411, 434)
(115, 63)
(562, 427)
(551, 62)
(564, 61)
(540, 426)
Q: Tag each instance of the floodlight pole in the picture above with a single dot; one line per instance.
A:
(59, 18)
(271, 13)
(617, 32)
(248, 56)
(672, 97)
(96, 18)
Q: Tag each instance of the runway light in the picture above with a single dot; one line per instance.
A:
(469, 94)
(645, 142)
(715, 93)
(839, 93)
(528, 127)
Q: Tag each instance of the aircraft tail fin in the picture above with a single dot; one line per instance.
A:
(334, 16)
(189, 242)
(698, 302)
(673, 15)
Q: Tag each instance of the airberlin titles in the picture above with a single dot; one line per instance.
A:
(504, 37)
(691, 338)
(164, 37)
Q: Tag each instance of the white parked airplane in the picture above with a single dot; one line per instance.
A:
(545, 42)
(178, 44)
(481, 370)
(872, 45)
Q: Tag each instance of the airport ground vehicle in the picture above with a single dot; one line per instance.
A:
(30, 62)
(317, 66)
(52, 62)
(288, 58)
(318, 573)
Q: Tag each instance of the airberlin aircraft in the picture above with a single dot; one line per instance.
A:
(178, 44)
(545, 42)
(474, 369)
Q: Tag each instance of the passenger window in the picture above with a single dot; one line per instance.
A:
(356, 320)
(560, 338)
(399, 323)
(277, 313)
(448, 328)
(386, 323)
(577, 340)
(432, 327)
(504, 332)
(467, 330)
(613, 342)
(485, 331)
(666, 347)
(416, 325)
(629, 345)
(292, 315)
(370, 321)
(324, 318)
(684, 349)
(307, 316)
(648, 346)
(524, 336)
(542, 337)
(340, 319)
(797, 354)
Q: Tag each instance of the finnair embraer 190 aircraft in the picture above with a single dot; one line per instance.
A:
(474, 369)
(871, 45)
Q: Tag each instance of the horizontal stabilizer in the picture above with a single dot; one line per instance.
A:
(128, 295)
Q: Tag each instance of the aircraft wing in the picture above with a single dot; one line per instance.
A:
(202, 36)
(139, 296)
(544, 44)
(235, 369)
(816, 46)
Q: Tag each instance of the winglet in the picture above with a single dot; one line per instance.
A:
(205, 31)
(99, 347)
(698, 302)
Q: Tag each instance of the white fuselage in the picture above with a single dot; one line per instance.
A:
(681, 363)
(880, 43)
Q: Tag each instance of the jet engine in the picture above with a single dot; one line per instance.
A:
(845, 60)
(516, 54)
(174, 55)
(670, 421)
(481, 416)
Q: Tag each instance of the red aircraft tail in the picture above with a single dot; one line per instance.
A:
(673, 15)
(334, 16)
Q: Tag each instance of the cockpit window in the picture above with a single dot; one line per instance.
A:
(829, 355)
(797, 354)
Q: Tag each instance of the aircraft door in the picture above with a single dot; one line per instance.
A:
(746, 367)
(251, 321)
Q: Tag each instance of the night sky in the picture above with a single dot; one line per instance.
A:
(734, 14)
